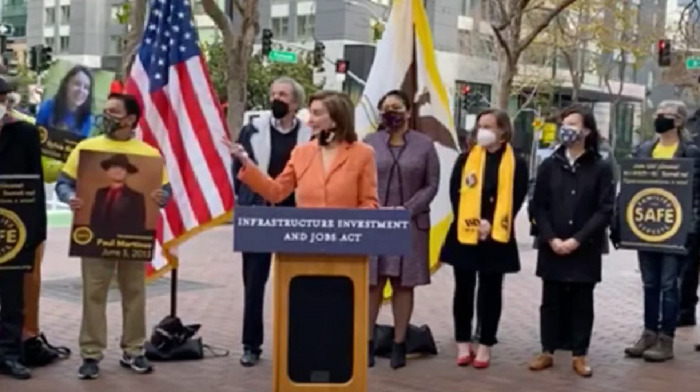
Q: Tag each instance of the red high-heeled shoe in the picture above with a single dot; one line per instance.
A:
(481, 364)
(466, 360)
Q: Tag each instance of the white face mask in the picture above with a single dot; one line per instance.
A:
(485, 137)
(3, 111)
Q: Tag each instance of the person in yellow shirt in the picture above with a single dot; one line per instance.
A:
(660, 271)
(121, 115)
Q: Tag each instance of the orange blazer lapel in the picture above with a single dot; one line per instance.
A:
(340, 158)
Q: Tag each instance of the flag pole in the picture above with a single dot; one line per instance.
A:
(173, 292)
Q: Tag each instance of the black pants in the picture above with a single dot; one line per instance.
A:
(574, 300)
(256, 271)
(689, 287)
(488, 305)
(11, 314)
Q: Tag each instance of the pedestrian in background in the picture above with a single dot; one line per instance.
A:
(408, 172)
(572, 204)
(487, 188)
(268, 140)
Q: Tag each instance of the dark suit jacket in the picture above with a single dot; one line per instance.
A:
(20, 153)
(126, 216)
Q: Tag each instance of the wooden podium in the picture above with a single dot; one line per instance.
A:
(321, 288)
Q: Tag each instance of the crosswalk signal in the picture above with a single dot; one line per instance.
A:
(341, 66)
(319, 54)
(8, 56)
(664, 53)
(266, 41)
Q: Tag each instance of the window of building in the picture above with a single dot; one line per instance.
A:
(64, 43)
(65, 14)
(306, 26)
(468, 7)
(198, 8)
(50, 41)
(116, 44)
(280, 27)
(50, 16)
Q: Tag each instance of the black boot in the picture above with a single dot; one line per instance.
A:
(370, 357)
(398, 355)
(14, 369)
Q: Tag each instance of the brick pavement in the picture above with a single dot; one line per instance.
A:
(208, 259)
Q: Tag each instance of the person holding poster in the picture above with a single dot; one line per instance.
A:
(572, 204)
(121, 116)
(488, 185)
(71, 108)
(20, 154)
(661, 271)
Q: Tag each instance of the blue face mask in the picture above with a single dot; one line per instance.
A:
(569, 136)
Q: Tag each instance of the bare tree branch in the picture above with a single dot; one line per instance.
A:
(222, 22)
(537, 29)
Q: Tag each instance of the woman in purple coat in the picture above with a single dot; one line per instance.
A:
(409, 174)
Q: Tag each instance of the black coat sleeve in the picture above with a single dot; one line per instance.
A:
(542, 200)
(521, 183)
(456, 179)
(694, 153)
(33, 145)
(605, 186)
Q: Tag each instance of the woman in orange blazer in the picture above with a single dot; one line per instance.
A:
(333, 170)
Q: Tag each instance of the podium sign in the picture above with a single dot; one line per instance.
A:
(322, 231)
(321, 287)
(656, 204)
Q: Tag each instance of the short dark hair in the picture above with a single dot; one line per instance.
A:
(400, 94)
(131, 105)
(593, 139)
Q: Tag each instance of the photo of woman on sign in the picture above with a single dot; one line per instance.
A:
(71, 108)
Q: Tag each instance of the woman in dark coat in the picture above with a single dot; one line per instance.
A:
(487, 188)
(408, 174)
(572, 203)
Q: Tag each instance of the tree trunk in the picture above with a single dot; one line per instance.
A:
(137, 19)
(505, 85)
(575, 87)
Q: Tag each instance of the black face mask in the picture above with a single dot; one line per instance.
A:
(325, 137)
(111, 124)
(279, 109)
(663, 124)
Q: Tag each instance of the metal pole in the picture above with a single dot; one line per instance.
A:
(173, 292)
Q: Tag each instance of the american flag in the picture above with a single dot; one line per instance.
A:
(182, 118)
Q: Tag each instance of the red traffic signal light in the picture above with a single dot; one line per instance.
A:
(466, 89)
(341, 66)
(664, 53)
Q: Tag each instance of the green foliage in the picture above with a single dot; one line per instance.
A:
(123, 12)
(261, 74)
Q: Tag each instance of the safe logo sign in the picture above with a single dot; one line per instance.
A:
(322, 231)
(654, 215)
(12, 235)
(655, 200)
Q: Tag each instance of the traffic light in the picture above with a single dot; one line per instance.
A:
(266, 41)
(40, 58)
(664, 53)
(9, 65)
(319, 54)
(341, 66)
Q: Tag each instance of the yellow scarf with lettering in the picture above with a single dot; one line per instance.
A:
(469, 209)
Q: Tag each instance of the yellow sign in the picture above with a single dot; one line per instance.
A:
(549, 132)
(537, 123)
(654, 215)
(13, 235)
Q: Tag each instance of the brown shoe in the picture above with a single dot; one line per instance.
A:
(581, 367)
(541, 362)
